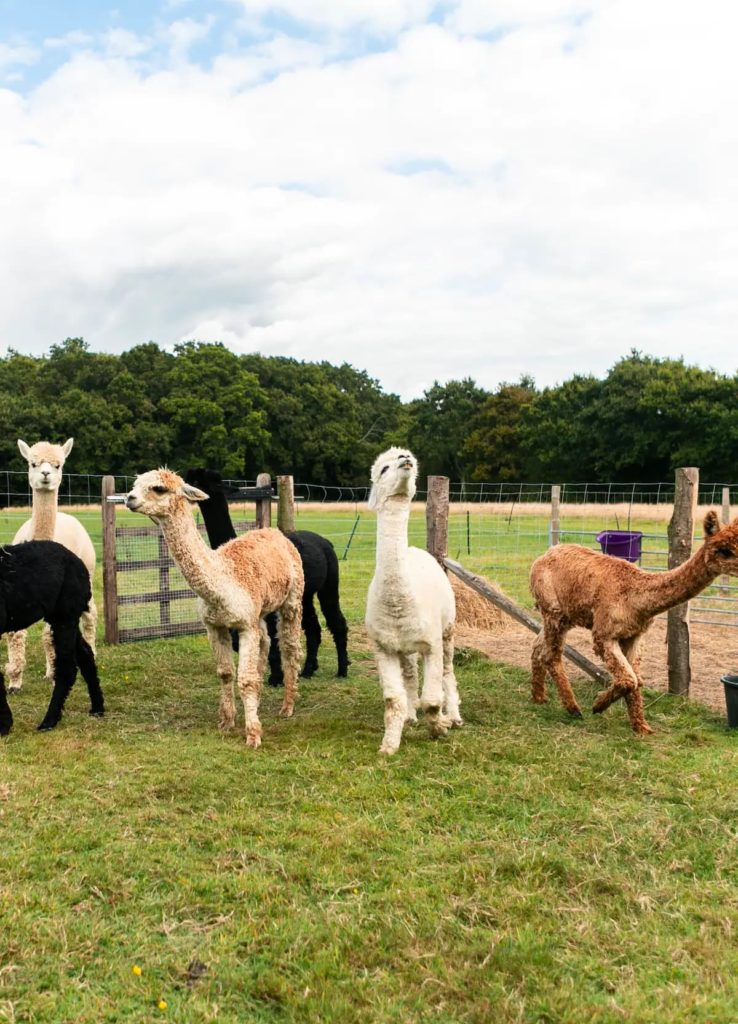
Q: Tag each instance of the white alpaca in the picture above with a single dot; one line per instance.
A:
(45, 464)
(237, 585)
(410, 610)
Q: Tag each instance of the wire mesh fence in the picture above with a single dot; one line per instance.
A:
(495, 529)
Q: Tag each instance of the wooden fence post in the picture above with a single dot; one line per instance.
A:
(436, 517)
(555, 525)
(681, 533)
(286, 506)
(110, 581)
(263, 505)
(725, 519)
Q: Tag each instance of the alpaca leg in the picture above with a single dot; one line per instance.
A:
(634, 700)
(450, 686)
(65, 671)
(16, 660)
(409, 669)
(395, 700)
(625, 684)
(312, 630)
(220, 642)
(249, 681)
(431, 698)
(48, 645)
(290, 630)
(539, 656)
(88, 668)
(88, 625)
(264, 647)
(554, 662)
(336, 623)
(6, 715)
(276, 678)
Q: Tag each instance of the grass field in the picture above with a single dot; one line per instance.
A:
(527, 868)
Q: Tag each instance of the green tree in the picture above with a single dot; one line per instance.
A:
(439, 425)
(493, 447)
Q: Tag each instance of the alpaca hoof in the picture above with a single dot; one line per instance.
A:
(47, 726)
(539, 700)
(287, 710)
(438, 727)
(97, 712)
(5, 727)
(601, 702)
(388, 749)
(14, 688)
(253, 739)
(226, 722)
(275, 682)
(644, 729)
(342, 672)
(309, 670)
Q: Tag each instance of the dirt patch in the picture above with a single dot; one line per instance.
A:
(714, 652)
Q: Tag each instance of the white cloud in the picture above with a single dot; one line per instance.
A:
(452, 206)
(15, 55)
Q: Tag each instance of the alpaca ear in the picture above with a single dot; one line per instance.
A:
(193, 493)
(24, 450)
(68, 445)
(373, 499)
(711, 524)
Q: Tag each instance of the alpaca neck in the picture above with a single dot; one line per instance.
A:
(392, 544)
(197, 563)
(217, 518)
(665, 590)
(43, 515)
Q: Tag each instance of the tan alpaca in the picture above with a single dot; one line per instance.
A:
(617, 601)
(45, 464)
(237, 585)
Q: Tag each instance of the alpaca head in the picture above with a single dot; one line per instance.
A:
(393, 476)
(161, 494)
(721, 545)
(45, 463)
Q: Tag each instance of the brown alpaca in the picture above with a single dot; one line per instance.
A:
(617, 601)
(237, 585)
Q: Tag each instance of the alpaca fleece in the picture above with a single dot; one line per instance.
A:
(45, 465)
(43, 580)
(320, 569)
(617, 601)
(236, 586)
(410, 611)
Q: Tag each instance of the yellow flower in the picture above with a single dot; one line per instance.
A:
(162, 1004)
(136, 970)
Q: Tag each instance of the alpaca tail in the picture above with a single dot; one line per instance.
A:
(328, 596)
(88, 667)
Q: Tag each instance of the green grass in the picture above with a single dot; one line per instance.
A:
(526, 868)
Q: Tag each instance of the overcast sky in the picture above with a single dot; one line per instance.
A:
(426, 189)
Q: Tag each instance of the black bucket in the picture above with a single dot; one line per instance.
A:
(731, 699)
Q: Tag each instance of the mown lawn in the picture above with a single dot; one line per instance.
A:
(527, 868)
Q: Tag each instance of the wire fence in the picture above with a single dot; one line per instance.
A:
(495, 529)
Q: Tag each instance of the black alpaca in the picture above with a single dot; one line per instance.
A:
(41, 579)
(319, 563)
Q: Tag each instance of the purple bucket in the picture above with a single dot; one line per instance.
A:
(621, 544)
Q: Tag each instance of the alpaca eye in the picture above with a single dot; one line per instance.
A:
(725, 552)
(159, 490)
(384, 470)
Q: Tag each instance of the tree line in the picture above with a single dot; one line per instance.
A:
(244, 414)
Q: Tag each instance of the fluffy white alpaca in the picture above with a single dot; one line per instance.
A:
(410, 610)
(237, 585)
(45, 464)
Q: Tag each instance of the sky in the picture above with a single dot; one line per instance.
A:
(427, 189)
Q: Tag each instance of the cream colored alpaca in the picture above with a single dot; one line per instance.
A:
(617, 601)
(45, 464)
(237, 585)
(410, 610)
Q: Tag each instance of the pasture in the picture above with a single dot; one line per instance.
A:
(525, 869)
